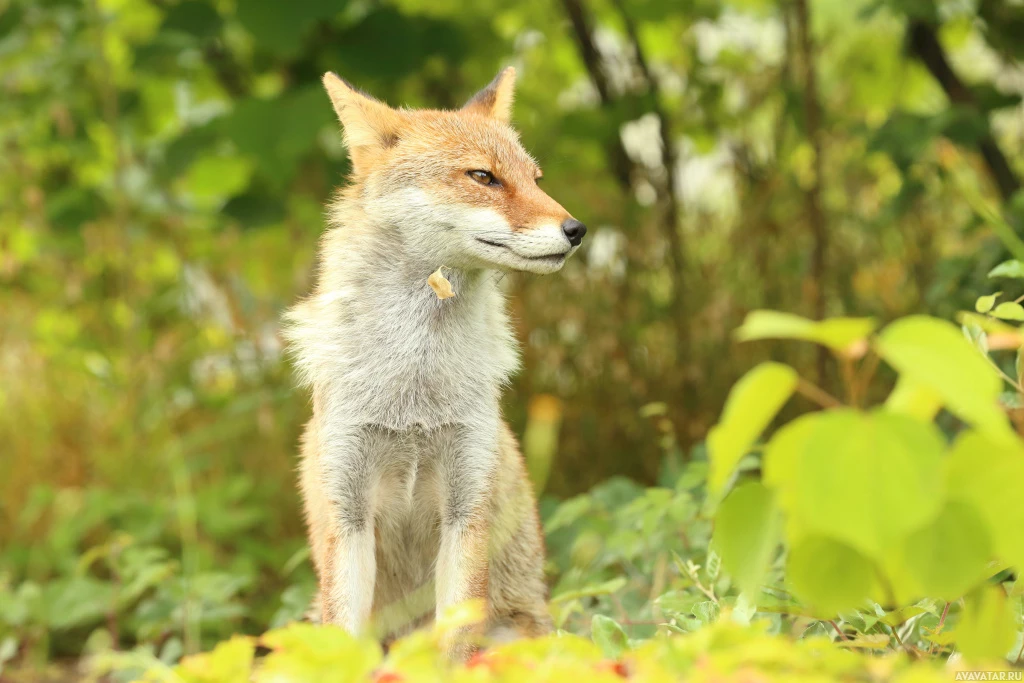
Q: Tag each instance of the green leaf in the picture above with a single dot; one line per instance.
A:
(934, 354)
(1010, 269)
(706, 611)
(229, 662)
(839, 334)
(984, 304)
(278, 133)
(950, 555)
(747, 534)
(606, 588)
(986, 629)
(196, 17)
(829, 576)
(913, 400)
(609, 636)
(750, 407)
(866, 480)
(281, 26)
(988, 475)
(305, 652)
(1008, 310)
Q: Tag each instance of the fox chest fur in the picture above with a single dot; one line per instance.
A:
(385, 351)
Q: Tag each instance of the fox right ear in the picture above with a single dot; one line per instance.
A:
(370, 126)
(495, 101)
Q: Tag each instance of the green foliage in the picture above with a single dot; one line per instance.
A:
(751, 405)
(878, 509)
(163, 172)
(724, 652)
(747, 534)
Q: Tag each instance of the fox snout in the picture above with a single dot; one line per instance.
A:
(574, 231)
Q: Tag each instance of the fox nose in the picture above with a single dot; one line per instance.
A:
(574, 230)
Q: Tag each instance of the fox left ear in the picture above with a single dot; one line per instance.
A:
(370, 126)
(495, 100)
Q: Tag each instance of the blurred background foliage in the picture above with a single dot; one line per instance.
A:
(163, 167)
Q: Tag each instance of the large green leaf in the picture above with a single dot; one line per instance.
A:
(866, 480)
(839, 334)
(934, 354)
(986, 629)
(914, 400)
(949, 556)
(989, 475)
(751, 405)
(747, 534)
(829, 576)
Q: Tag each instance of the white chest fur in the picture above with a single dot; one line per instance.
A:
(380, 348)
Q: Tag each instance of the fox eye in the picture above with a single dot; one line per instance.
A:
(484, 178)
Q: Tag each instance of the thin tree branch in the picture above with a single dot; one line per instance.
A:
(670, 224)
(583, 34)
(815, 215)
(924, 43)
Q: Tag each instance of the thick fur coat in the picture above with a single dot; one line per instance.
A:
(415, 493)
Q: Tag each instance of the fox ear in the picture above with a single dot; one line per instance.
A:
(495, 100)
(370, 126)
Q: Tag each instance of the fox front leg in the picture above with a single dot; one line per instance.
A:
(467, 476)
(347, 586)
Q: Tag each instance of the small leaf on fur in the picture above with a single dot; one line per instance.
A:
(439, 283)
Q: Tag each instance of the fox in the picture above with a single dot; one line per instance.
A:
(415, 492)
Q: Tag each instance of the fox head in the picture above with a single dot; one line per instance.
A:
(456, 187)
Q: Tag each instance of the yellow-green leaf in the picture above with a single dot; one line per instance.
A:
(229, 662)
(1012, 269)
(984, 304)
(986, 629)
(1008, 310)
(829, 576)
(747, 534)
(989, 476)
(934, 354)
(866, 479)
(750, 407)
(839, 334)
(949, 556)
(914, 400)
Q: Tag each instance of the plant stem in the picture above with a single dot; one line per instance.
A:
(818, 395)
(838, 630)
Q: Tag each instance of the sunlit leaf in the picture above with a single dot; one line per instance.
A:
(1008, 310)
(839, 334)
(988, 475)
(750, 407)
(986, 629)
(934, 354)
(949, 556)
(885, 467)
(747, 534)
(914, 400)
(1009, 269)
(829, 576)
(229, 662)
(984, 304)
